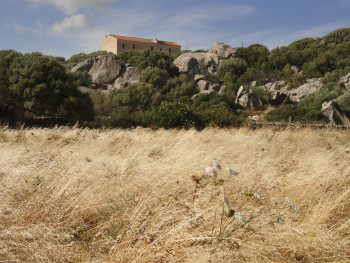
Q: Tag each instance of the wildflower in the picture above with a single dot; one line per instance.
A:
(232, 171)
(211, 171)
(257, 196)
(241, 218)
(217, 167)
(292, 205)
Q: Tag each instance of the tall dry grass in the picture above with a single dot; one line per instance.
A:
(79, 195)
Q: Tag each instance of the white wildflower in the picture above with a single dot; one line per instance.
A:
(232, 171)
(292, 205)
(257, 196)
(241, 218)
(211, 171)
(217, 167)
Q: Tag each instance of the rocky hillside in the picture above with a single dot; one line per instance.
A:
(253, 78)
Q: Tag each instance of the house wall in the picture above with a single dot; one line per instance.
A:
(109, 44)
(116, 46)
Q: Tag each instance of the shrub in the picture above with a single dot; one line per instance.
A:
(328, 92)
(124, 119)
(263, 94)
(230, 70)
(335, 75)
(212, 109)
(153, 59)
(173, 115)
(294, 113)
(344, 102)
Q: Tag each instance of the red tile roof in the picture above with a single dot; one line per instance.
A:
(136, 39)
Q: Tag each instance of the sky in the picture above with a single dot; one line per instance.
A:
(67, 27)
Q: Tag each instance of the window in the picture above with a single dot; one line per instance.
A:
(123, 45)
(133, 46)
(151, 48)
(170, 49)
(161, 49)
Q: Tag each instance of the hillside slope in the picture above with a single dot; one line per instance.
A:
(73, 195)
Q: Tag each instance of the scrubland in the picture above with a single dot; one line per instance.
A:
(142, 195)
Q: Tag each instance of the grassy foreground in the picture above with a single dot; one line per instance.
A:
(79, 195)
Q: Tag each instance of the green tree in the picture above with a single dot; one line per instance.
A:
(41, 85)
(180, 88)
(255, 55)
(338, 36)
(230, 70)
(7, 105)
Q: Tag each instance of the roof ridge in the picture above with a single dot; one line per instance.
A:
(146, 40)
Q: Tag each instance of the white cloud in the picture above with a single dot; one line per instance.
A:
(73, 6)
(18, 28)
(208, 13)
(74, 21)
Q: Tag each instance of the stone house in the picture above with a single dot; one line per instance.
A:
(118, 44)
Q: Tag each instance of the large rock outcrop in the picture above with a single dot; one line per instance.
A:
(281, 93)
(194, 63)
(223, 50)
(247, 98)
(128, 75)
(333, 113)
(311, 86)
(106, 70)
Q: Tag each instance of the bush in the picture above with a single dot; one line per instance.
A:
(173, 115)
(263, 94)
(230, 70)
(294, 113)
(328, 92)
(123, 119)
(335, 75)
(153, 59)
(344, 102)
(215, 110)
(179, 87)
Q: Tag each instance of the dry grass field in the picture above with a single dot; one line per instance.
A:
(142, 195)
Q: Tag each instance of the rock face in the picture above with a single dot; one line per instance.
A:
(333, 113)
(128, 75)
(345, 81)
(223, 50)
(312, 85)
(107, 70)
(193, 63)
(247, 98)
(280, 92)
(84, 65)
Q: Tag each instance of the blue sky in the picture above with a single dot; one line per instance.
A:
(68, 27)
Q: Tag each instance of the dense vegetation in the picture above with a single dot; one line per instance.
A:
(35, 85)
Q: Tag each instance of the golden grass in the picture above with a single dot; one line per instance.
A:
(80, 195)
